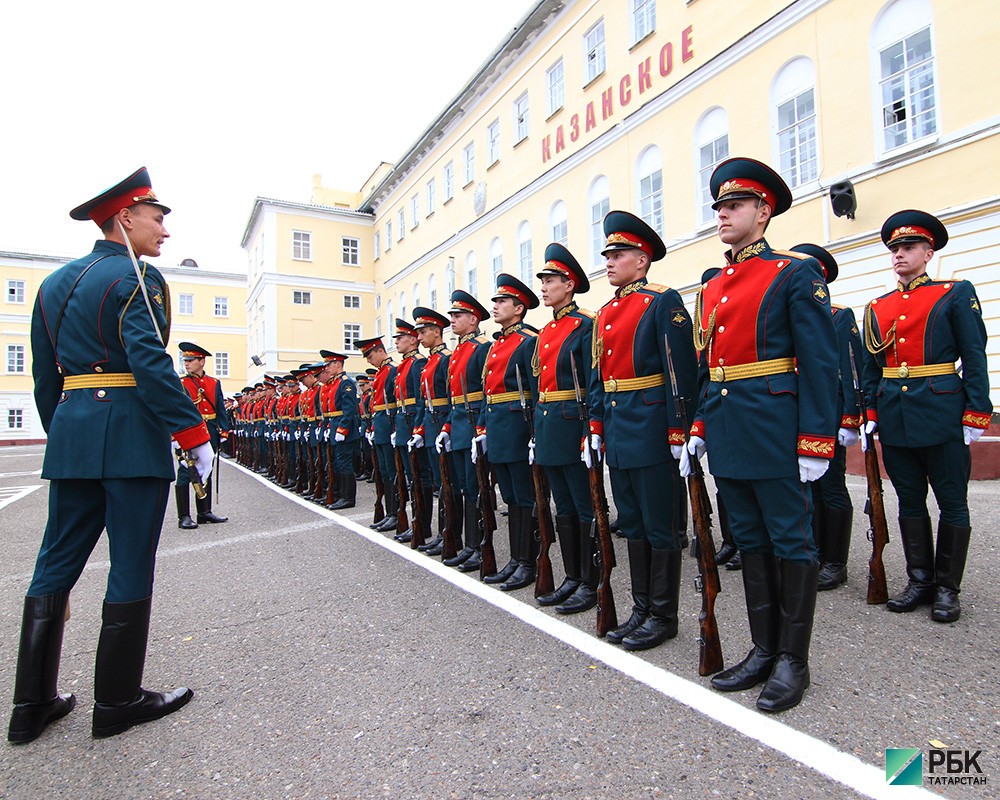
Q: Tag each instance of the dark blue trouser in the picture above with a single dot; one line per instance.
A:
(946, 466)
(570, 488)
(79, 510)
(514, 480)
(651, 504)
(772, 515)
(386, 464)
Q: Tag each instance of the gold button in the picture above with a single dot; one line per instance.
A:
(905, 388)
(903, 372)
(646, 300)
(724, 300)
(725, 392)
(720, 373)
(722, 328)
(59, 368)
(901, 339)
(906, 297)
(607, 327)
(722, 361)
(902, 317)
(546, 346)
(63, 396)
(614, 402)
(545, 412)
(609, 352)
(98, 369)
(544, 367)
(101, 393)
(615, 304)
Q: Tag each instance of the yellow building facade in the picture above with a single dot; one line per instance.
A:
(600, 104)
(207, 307)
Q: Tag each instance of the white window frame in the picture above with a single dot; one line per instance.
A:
(431, 196)
(16, 354)
(595, 59)
(401, 218)
(15, 292)
(558, 223)
(599, 202)
(350, 251)
(15, 419)
(642, 19)
(352, 301)
(521, 118)
(301, 297)
(795, 83)
(493, 143)
(649, 188)
(555, 87)
(185, 299)
(220, 306)
(471, 274)
(388, 235)
(302, 245)
(496, 259)
(449, 181)
(377, 245)
(221, 364)
(711, 146)
(524, 256)
(414, 211)
(468, 163)
(352, 334)
(432, 291)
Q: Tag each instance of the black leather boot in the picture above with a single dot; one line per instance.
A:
(952, 550)
(728, 549)
(735, 564)
(205, 513)
(664, 593)
(819, 528)
(37, 701)
(836, 547)
(473, 539)
(527, 550)
(639, 553)
(760, 586)
(120, 700)
(464, 552)
(514, 538)
(388, 522)
(348, 492)
(918, 547)
(789, 678)
(568, 535)
(584, 597)
(183, 497)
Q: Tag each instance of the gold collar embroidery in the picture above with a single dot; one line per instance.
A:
(635, 286)
(750, 251)
(918, 281)
(567, 309)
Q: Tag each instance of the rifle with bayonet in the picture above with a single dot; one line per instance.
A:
(878, 530)
(607, 615)
(402, 520)
(487, 500)
(544, 583)
(707, 582)
(446, 497)
(420, 535)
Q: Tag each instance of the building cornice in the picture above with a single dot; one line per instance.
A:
(320, 212)
(276, 279)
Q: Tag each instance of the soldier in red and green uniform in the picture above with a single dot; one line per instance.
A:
(926, 413)
(383, 425)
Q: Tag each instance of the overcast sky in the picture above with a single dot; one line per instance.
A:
(222, 101)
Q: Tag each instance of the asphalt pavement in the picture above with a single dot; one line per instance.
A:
(330, 662)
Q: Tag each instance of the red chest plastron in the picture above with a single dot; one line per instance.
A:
(736, 296)
(551, 339)
(616, 326)
(910, 312)
(402, 373)
(497, 363)
(378, 386)
(427, 375)
(456, 367)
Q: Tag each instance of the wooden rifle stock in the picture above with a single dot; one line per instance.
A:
(402, 520)
(544, 582)
(379, 488)
(878, 532)
(487, 508)
(707, 582)
(607, 615)
(419, 534)
(449, 545)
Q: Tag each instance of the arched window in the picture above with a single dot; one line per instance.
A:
(496, 259)
(432, 291)
(599, 200)
(558, 226)
(793, 110)
(524, 251)
(471, 278)
(649, 187)
(402, 305)
(390, 320)
(416, 295)
(449, 277)
(902, 52)
(711, 146)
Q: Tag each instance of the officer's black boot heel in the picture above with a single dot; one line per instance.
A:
(918, 547)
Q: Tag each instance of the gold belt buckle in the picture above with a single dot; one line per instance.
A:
(612, 385)
(904, 372)
(720, 373)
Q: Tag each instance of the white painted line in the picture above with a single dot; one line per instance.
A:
(21, 474)
(20, 492)
(817, 755)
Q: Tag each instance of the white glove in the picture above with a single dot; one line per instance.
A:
(416, 441)
(695, 447)
(592, 455)
(676, 451)
(177, 447)
(392, 438)
(203, 455)
(476, 442)
(316, 435)
(326, 434)
(370, 436)
(869, 430)
(339, 437)
(531, 450)
(443, 442)
(298, 435)
(971, 434)
(848, 437)
(812, 469)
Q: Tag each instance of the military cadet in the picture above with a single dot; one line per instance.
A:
(641, 429)
(465, 387)
(410, 403)
(564, 362)
(341, 413)
(433, 412)
(833, 512)
(382, 426)
(926, 413)
(287, 418)
(767, 414)
(206, 393)
(504, 430)
(310, 413)
(365, 413)
(110, 401)
(270, 423)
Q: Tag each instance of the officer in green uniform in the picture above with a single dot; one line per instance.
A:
(110, 401)
(926, 413)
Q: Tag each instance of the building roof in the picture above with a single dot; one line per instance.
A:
(260, 202)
